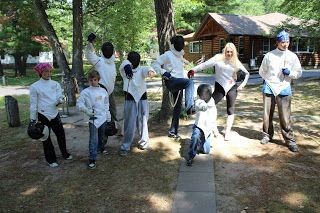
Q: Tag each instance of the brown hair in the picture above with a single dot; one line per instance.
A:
(93, 74)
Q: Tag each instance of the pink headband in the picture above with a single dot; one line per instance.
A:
(42, 67)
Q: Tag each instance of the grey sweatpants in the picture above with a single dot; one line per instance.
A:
(135, 116)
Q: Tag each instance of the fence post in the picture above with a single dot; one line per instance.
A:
(12, 111)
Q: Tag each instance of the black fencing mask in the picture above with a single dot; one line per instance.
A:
(178, 42)
(204, 91)
(107, 49)
(134, 58)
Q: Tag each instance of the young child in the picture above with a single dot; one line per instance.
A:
(205, 123)
(136, 108)
(45, 96)
(94, 101)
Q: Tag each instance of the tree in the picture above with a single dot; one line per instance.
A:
(77, 62)
(17, 29)
(308, 10)
(189, 13)
(40, 12)
(127, 24)
(165, 30)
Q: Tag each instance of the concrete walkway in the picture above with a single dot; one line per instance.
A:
(195, 190)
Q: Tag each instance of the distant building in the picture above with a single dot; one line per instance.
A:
(252, 35)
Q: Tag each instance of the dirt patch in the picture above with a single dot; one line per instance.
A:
(251, 177)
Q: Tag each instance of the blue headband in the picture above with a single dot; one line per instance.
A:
(283, 36)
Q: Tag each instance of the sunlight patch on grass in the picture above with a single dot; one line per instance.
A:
(295, 199)
(160, 202)
(30, 191)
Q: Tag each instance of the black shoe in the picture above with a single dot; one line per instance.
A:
(293, 148)
(189, 162)
(173, 135)
(191, 111)
(92, 164)
(264, 140)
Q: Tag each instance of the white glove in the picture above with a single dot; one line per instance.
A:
(60, 101)
(202, 106)
(89, 112)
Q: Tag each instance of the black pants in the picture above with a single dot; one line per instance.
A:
(56, 126)
(284, 111)
(231, 96)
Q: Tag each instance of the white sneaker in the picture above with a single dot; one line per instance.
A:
(53, 165)
(69, 158)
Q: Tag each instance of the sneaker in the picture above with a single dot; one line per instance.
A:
(293, 148)
(123, 152)
(69, 157)
(92, 164)
(191, 111)
(173, 135)
(264, 140)
(148, 148)
(189, 162)
(105, 152)
(53, 165)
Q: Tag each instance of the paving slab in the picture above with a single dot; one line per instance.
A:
(195, 189)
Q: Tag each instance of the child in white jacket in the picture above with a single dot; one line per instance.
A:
(94, 101)
(205, 123)
(45, 96)
(136, 108)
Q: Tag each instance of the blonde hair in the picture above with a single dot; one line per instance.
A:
(236, 63)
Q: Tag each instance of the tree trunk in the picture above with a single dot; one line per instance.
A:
(20, 64)
(77, 62)
(57, 49)
(165, 30)
(1, 69)
(12, 111)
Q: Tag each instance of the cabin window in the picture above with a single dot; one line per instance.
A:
(266, 45)
(195, 47)
(241, 45)
(302, 45)
(222, 43)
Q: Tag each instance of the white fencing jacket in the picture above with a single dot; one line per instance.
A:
(206, 116)
(136, 86)
(44, 95)
(98, 99)
(271, 69)
(105, 66)
(225, 72)
(172, 61)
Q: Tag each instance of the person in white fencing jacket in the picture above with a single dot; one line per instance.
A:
(45, 96)
(226, 65)
(205, 123)
(94, 102)
(105, 65)
(171, 66)
(136, 106)
(277, 69)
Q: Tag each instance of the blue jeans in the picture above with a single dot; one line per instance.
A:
(96, 139)
(174, 85)
(199, 142)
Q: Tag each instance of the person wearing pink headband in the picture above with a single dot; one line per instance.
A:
(277, 70)
(41, 67)
(45, 96)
